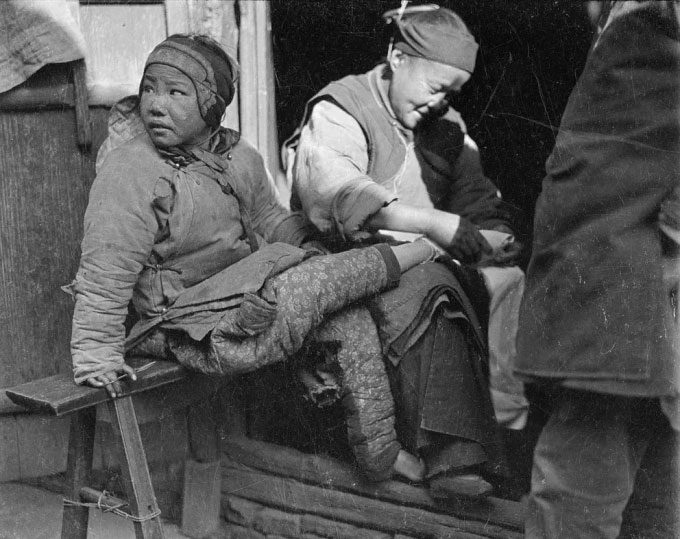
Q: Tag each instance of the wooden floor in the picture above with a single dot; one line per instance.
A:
(271, 490)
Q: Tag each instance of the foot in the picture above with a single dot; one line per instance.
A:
(452, 484)
(409, 466)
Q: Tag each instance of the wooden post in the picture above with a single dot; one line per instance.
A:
(202, 472)
(136, 478)
(78, 468)
(247, 57)
(82, 106)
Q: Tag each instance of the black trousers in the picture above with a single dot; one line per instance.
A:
(443, 406)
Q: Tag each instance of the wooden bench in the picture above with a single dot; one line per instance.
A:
(59, 396)
(262, 478)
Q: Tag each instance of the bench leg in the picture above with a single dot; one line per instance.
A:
(136, 478)
(79, 466)
(202, 478)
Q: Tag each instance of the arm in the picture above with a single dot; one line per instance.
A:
(449, 150)
(335, 191)
(473, 195)
(329, 172)
(271, 219)
(119, 229)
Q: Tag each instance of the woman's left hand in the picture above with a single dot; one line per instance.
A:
(111, 379)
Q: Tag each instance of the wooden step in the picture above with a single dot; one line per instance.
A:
(286, 479)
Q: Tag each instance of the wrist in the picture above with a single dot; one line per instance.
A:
(443, 227)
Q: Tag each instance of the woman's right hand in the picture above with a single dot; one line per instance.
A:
(458, 236)
(111, 379)
(468, 245)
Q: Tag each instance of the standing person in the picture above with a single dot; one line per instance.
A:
(385, 150)
(598, 325)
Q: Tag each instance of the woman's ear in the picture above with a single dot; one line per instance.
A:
(396, 59)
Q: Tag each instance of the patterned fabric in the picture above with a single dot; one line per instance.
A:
(302, 297)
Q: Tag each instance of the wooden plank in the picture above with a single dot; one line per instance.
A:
(135, 474)
(58, 395)
(79, 467)
(291, 495)
(319, 470)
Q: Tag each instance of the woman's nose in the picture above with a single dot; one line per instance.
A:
(437, 102)
(156, 104)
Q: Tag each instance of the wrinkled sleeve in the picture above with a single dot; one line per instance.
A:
(473, 195)
(119, 230)
(271, 219)
(329, 172)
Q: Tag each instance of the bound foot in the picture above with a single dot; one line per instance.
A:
(459, 483)
(409, 466)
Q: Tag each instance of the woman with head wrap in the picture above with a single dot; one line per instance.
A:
(385, 150)
(184, 223)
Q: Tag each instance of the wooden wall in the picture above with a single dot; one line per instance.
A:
(44, 184)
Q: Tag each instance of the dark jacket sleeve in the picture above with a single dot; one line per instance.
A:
(449, 150)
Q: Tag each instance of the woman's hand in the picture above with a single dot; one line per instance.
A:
(468, 245)
(458, 236)
(110, 379)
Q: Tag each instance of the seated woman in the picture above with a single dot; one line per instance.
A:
(183, 222)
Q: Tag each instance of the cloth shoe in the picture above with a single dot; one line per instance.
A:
(466, 483)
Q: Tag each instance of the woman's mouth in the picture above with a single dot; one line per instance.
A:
(157, 128)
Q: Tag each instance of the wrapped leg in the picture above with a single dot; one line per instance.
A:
(302, 295)
(366, 396)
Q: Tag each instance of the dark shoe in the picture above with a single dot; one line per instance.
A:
(453, 484)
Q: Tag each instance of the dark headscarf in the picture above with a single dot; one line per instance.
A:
(212, 74)
(434, 33)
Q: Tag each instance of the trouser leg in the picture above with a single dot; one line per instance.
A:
(653, 510)
(506, 288)
(442, 402)
(366, 398)
(302, 296)
(585, 464)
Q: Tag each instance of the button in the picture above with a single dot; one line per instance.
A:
(228, 157)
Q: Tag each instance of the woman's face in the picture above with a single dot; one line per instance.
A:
(419, 87)
(169, 108)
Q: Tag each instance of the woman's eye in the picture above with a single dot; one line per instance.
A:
(147, 89)
(177, 92)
